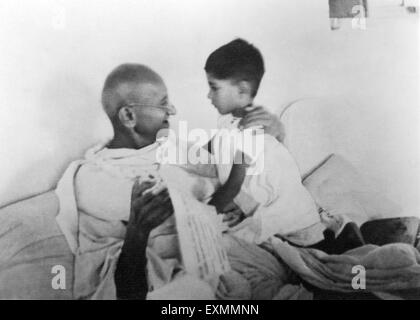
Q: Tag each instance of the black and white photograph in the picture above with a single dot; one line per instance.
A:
(221, 151)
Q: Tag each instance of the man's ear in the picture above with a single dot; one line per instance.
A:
(127, 117)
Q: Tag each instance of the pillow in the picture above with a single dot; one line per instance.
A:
(340, 189)
(31, 245)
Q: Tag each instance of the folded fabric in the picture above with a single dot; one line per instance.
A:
(391, 271)
(294, 292)
(184, 288)
(233, 286)
(264, 273)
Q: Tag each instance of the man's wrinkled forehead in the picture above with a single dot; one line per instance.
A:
(151, 91)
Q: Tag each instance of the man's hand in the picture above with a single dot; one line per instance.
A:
(259, 116)
(233, 215)
(148, 211)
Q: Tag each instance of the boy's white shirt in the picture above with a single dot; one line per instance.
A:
(274, 199)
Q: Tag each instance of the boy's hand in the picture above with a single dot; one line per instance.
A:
(259, 116)
(233, 215)
(148, 211)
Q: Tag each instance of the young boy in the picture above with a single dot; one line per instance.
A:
(261, 195)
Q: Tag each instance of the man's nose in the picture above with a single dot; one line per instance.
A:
(171, 109)
(209, 95)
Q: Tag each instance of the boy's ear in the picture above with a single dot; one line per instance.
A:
(127, 117)
(245, 87)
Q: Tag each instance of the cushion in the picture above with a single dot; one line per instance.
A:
(31, 244)
(340, 189)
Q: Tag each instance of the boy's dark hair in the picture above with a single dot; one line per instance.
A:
(238, 60)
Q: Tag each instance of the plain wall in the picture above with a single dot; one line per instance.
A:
(55, 56)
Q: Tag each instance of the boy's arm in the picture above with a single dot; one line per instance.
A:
(196, 165)
(226, 193)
